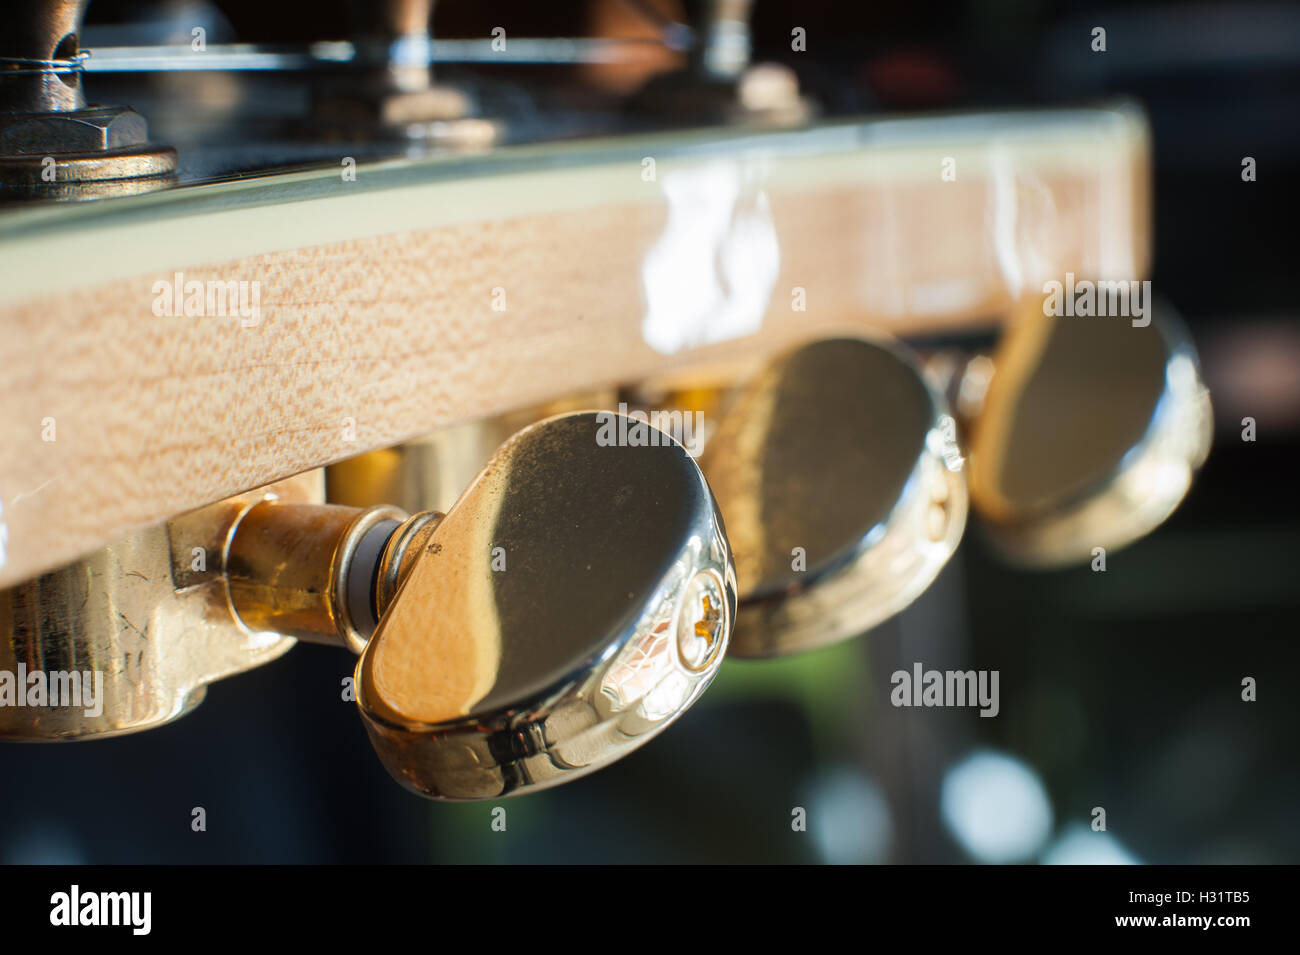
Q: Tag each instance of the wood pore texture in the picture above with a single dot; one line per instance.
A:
(380, 298)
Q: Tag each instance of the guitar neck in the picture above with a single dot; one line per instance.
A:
(174, 349)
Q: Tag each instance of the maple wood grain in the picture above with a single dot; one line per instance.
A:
(377, 321)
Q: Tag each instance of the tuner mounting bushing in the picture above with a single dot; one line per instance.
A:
(52, 144)
(389, 92)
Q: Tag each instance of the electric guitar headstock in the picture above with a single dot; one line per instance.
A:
(543, 392)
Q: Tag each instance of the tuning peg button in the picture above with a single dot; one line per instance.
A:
(1088, 435)
(571, 604)
(837, 472)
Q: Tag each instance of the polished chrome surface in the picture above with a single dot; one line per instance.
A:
(1089, 434)
(837, 474)
(574, 601)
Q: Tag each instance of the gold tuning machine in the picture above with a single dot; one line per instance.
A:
(839, 469)
(835, 468)
(845, 479)
(1086, 432)
(570, 605)
(574, 601)
(842, 477)
(837, 472)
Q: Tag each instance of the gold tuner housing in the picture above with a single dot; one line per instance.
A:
(837, 471)
(572, 603)
(144, 625)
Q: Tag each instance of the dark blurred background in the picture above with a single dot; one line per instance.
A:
(1119, 690)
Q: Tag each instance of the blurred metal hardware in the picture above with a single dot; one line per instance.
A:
(387, 89)
(608, 615)
(1088, 432)
(52, 144)
(724, 48)
(721, 84)
(252, 57)
(570, 605)
(838, 448)
(836, 469)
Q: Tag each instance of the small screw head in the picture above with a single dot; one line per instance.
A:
(701, 621)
